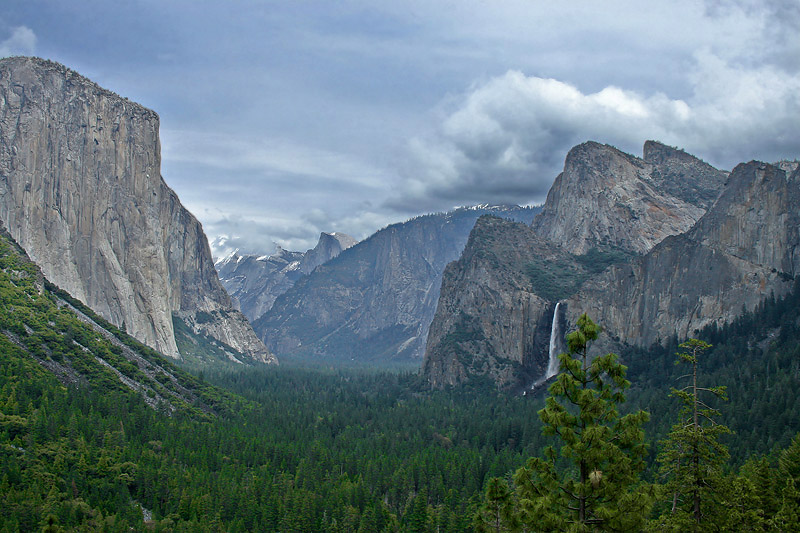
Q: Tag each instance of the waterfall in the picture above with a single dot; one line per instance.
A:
(552, 363)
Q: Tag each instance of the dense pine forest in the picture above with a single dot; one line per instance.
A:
(92, 440)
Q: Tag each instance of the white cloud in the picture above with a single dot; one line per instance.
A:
(253, 234)
(21, 42)
(506, 139)
(266, 157)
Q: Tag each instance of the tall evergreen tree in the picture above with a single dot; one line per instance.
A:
(497, 511)
(788, 515)
(692, 456)
(599, 491)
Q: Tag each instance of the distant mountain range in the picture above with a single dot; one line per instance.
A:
(255, 281)
(374, 302)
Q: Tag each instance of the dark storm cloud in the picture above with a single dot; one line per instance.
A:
(508, 138)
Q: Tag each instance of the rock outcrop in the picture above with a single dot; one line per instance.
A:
(329, 246)
(81, 192)
(375, 301)
(490, 321)
(609, 198)
(744, 249)
(254, 282)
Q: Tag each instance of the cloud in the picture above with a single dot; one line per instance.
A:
(296, 232)
(255, 194)
(506, 139)
(259, 235)
(21, 42)
(267, 157)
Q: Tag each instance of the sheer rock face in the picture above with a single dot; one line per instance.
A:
(745, 248)
(489, 321)
(329, 246)
(607, 197)
(81, 191)
(255, 282)
(375, 301)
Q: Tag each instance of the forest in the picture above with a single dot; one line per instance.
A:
(324, 449)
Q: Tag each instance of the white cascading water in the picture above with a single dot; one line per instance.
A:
(552, 364)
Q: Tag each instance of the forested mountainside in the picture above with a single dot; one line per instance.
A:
(44, 325)
(742, 249)
(375, 301)
(81, 191)
(254, 282)
(85, 447)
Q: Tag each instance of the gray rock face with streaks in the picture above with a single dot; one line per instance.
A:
(81, 191)
(605, 196)
(489, 320)
(255, 282)
(746, 247)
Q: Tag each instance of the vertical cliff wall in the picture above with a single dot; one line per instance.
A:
(491, 319)
(607, 197)
(746, 247)
(81, 191)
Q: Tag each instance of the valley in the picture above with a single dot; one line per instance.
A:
(409, 381)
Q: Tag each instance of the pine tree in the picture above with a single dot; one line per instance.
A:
(418, 519)
(496, 512)
(600, 491)
(788, 516)
(692, 456)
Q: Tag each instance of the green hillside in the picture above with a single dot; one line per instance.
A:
(98, 432)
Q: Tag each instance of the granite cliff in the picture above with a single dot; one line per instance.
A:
(375, 301)
(610, 198)
(81, 192)
(490, 320)
(745, 248)
(618, 238)
(254, 282)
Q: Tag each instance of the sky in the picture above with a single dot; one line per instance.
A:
(284, 119)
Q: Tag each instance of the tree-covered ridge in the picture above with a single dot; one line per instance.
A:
(579, 488)
(756, 358)
(76, 345)
(317, 450)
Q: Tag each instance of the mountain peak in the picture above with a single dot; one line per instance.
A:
(344, 240)
(606, 197)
